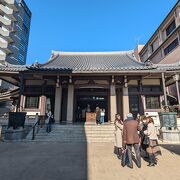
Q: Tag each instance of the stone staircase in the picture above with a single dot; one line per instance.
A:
(77, 133)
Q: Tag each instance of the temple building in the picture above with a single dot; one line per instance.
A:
(77, 82)
(73, 84)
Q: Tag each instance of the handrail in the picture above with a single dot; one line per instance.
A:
(34, 128)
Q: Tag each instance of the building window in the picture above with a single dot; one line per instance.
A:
(21, 57)
(32, 102)
(170, 28)
(25, 29)
(133, 89)
(152, 102)
(152, 47)
(169, 48)
(152, 89)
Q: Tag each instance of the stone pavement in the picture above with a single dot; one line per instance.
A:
(80, 161)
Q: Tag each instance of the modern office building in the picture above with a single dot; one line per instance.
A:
(15, 18)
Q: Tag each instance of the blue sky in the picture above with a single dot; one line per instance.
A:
(92, 25)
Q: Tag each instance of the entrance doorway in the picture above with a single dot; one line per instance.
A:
(86, 100)
(134, 105)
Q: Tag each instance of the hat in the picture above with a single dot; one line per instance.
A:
(129, 116)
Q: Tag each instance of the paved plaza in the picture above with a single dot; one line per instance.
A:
(80, 161)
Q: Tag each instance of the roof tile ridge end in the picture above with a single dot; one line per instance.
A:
(135, 60)
(50, 60)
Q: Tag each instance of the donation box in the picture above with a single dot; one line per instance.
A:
(91, 117)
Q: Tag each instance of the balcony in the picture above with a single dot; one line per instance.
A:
(5, 21)
(2, 57)
(12, 38)
(6, 47)
(13, 4)
(9, 12)
(10, 1)
(9, 36)
(4, 33)
(6, 10)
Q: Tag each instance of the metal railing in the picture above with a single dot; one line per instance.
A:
(35, 128)
(40, 121)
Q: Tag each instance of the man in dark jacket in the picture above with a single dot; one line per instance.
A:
(131, 138)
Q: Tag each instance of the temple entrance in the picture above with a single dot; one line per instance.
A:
(85, 105)
(134, 105)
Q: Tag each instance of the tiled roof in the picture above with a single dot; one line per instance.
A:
(169, 67)
(92, 62)
(13, 68)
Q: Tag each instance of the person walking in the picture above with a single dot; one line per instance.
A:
(118, 135)
(153, 148)
(102, 115)
(49, 121)
(78, 114)
(143, 137)
(131, 138)
(98, 115)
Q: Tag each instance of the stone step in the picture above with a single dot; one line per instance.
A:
(77, 130)
(82, 129)
(77, 133)
(62, 141)
(73, 134)
(72, 137)
(71, 125)
(76, 139)
(83, 125)
(85, 137)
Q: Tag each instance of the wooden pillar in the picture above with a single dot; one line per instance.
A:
(43, 105)
(141, 104)
(118, 100)
(21, 97)
(177, 88)
(164, 90)
(113, 103)
(21, 107)
(43, 100)
(125, 102)
(58, 102)
(176, 78)
(70, 103)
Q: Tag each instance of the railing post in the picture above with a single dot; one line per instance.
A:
(34, 128)
(33, 135)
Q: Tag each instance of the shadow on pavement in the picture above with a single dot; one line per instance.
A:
(173, 148)
(44, 160)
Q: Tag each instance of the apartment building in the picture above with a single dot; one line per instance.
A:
(15, 19)
(164, 45)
